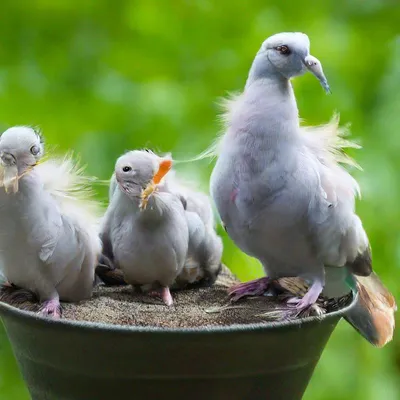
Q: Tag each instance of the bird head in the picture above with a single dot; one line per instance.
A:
(139, 172)
(20, 150)
(289, 54)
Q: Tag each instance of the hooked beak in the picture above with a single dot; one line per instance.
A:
(315, 67)
(8, 172)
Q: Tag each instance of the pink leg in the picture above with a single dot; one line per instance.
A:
(309, 298)
(164, 294)
(257, 287)
(51, 308)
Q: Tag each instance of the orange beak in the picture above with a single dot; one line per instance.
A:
(164, 167)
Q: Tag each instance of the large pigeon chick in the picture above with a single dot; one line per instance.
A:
(282, 194)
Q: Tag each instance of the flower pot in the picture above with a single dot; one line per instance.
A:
(68, 360)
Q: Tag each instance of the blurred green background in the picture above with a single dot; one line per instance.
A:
(102, 77)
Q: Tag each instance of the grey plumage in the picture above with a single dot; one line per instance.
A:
(279, 188)
(48, 232)
(203, 261)
(149, 241)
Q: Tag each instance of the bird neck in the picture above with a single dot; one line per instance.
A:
(263, 69)
(269, 99)
(127, 205)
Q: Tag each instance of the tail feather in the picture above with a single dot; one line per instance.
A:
(373, 315)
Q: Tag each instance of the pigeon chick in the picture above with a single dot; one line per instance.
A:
(145, 229)
(48, 236)
(283, 196)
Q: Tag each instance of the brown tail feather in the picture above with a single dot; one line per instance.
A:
(373, 315)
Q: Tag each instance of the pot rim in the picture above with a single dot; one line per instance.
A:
(41, 321)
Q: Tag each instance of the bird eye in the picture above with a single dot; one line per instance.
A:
(126, 169)
(35, 150)
(283, 50)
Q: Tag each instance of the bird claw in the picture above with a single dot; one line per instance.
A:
(51, 309)
(256, 287)
(293, 301)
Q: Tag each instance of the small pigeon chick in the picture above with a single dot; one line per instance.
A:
(203, 262)
(48, 235)
(145, 230)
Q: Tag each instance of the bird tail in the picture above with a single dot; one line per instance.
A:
(373, 314)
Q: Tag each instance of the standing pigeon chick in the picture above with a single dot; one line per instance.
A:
(48, 235)
(203, 262)
(144, 229)
(282, 195)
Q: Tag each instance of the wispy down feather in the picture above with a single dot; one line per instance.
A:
(65, 181)
(328, 142)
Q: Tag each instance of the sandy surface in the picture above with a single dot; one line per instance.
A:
(192, 308)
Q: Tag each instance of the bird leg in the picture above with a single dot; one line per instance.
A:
(309, 298)
(256, 287)
(51, 308)
(164, 294)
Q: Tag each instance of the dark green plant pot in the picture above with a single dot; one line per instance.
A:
(67, 360)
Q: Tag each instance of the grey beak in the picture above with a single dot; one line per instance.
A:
(7, 159)
(8, 172)
(315, 67)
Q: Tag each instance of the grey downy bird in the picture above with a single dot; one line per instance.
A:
(144, 228)
(48, 234)
(203, 261)
(284, 197)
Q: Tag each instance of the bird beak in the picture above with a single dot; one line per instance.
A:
(8, 172)
(163, 168)
(315, 67)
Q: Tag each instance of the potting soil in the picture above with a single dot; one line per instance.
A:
(200, 307)
(204, 307)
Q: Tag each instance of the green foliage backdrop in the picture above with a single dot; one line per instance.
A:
(101, 77)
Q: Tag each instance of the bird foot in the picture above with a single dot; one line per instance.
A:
(256, 287)
(308, 300)
(164, 294)
(51, 308)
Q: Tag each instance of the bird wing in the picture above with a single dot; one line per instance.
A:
(337, 230)
(76, 215)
